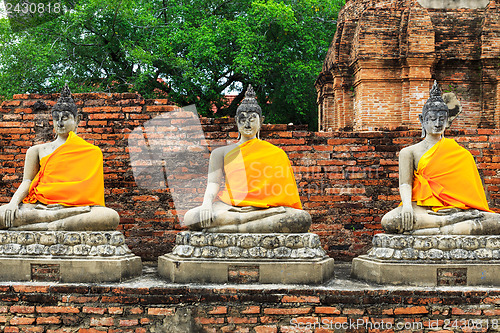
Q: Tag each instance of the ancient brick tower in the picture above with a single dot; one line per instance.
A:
(386, 54)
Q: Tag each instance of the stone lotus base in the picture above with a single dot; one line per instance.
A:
(64, 256)
(450, 260)
(246, 258)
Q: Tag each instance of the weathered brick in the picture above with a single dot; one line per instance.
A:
(353, 311)
(491, 312)
(16, 321)
(129, 322)
(241, 320)
(326, 310)
(160, 311)
(11, 103)
(93, 310)
(32, 329)
(411, 310)
(218, 310)
(254, 309)
(462, 311)
(22, 309)
(289, 311)
(115, 310)
(106, 115)
(57, 309)
(30, 289)
(48, 320)
(300, 299)
(69, 289)
(266, 329)
(102, 321)
(83, 299)
(135, 311)
(161, 108)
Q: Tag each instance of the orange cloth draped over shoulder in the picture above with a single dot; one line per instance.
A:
(71, 176)
(447, 177)
(259, 174)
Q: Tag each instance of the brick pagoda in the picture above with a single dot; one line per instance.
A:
(386, 54)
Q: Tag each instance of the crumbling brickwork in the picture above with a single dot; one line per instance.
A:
(386, 54)
(346, 180)
(190, 309)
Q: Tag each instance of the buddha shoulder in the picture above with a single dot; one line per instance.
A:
(36, 151)
(222, 151)
(407, 151)
(41, 150)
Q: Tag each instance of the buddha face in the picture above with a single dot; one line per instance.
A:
(248, 123)
(435, 121)
(64, 122)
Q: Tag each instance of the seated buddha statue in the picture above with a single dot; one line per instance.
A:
(63, 182)
(440, 187)
(260, 193)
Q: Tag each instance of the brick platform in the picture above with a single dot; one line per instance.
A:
(200, 257)
(342, 305)
(433, 260)
(207, 271)
(420, 273)
(65, 256)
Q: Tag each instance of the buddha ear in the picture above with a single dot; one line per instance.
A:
(422, 123)
(262, 118)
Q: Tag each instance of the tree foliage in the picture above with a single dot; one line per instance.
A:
(191, 50)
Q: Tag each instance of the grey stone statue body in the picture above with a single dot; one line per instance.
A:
(411, 218)
(24, 216)
(217, 216)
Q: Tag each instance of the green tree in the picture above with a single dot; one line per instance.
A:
(191, 50)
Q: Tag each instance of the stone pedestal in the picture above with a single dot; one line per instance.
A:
(63, 256)
(246, 258)
(450, 260)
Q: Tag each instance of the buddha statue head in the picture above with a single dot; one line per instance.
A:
(249, 115)
(65, 113)
(439, 106)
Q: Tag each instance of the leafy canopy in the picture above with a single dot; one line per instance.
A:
(194, 51)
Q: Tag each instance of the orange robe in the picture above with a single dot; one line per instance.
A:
(447, 177)
(71, 176)
(259, 174)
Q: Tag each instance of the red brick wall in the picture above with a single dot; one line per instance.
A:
(347, 180)
(385, 56)
(114, 309)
